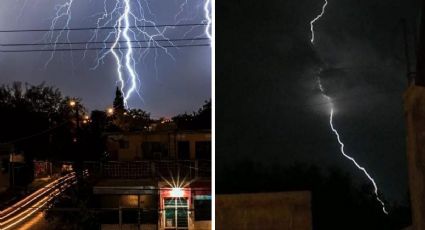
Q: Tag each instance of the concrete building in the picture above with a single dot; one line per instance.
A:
(414, 108)
(280, 210)
(159, 180)
(182, 145)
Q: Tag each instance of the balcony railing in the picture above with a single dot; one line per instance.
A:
(151, 169)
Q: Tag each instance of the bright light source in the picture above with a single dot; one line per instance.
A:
(72, 103)
(176, 192)
(110, 111)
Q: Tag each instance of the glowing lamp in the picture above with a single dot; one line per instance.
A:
(176, 192)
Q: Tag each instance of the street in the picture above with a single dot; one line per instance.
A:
(28, 212)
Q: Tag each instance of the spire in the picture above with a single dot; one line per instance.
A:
(118, 101)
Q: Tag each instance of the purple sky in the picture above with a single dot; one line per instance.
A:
(179, 86)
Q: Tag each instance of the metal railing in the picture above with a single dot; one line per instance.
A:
(151, 169)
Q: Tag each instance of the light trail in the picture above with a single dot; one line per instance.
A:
(21, 211)
(35, 195)
(33, 222)
(331, 115)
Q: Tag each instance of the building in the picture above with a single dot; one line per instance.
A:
(277, 210)
(5, 151)
(182, 145)
(414, 104)
(158, 180)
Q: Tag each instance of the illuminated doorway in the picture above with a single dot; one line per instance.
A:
(176, 213)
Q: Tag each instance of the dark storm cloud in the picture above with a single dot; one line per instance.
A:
(269, 107)
(175, 87)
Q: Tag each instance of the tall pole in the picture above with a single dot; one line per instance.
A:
(420, 66)
(406, 51)
(77, 117)
(138, 211)
(75, 105)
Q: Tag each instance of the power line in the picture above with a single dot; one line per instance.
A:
(100, 48)
(101, 28)
(105, 42)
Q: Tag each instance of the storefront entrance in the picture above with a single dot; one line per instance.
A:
(176, 215)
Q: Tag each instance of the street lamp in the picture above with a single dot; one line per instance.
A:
(72, 103)
(110, 111)
(177, 192)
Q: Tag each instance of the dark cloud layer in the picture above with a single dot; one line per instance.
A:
(269, 107)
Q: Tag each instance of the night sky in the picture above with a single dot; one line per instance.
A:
(269, 108)
(180, 85)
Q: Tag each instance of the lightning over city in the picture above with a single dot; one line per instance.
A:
(90, 74)
(331, 116)
(131, 34)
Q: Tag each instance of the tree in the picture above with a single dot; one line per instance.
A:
(74, 210)
(197, 120)
(118, 102)
(37, 120)
(137, 119)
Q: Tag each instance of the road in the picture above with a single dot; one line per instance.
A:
(28, 212)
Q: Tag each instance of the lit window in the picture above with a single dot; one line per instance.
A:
(176, 213)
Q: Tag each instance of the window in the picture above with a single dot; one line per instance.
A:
(203, 150)
(124, 144)
(183, 148)
(202, 209)
(176, 213)
(154, 150)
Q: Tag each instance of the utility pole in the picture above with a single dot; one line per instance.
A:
(77, 117)
(414, 110)
(77, 141)
(420, 75)
(409, 73)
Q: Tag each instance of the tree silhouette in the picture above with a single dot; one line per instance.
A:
(118, 102)
(197, 120)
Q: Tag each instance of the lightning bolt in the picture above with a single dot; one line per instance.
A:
(63, 14)
(130, 22)
(315, 19)
(207, 18)
(331, 116)
(338, 137)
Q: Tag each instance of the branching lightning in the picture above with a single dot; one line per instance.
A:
(331, 115)
(207, 17)
(63, 14)
(131, 22)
